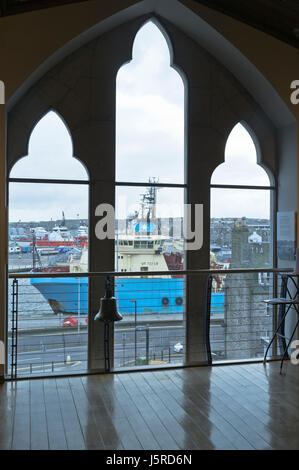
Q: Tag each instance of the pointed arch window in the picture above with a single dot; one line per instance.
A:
(48, 202)
(241, 193)
(46, 187)
(49, 180)
(150, 182)
(150, 141)
(150, 112)
(50, 153)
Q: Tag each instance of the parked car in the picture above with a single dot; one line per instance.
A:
(14, 249)
(178, 347)
(70, 321)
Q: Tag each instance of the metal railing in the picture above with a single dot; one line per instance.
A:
(245, 323)
(48, 318)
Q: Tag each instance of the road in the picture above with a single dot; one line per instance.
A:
(67, 352)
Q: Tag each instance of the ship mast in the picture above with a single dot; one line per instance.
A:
(149, 200)
(63, 220)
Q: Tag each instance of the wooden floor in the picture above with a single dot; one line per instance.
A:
(227, 407)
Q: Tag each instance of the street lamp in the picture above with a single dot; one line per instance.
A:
(135, 302)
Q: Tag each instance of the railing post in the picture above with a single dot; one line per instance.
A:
(14, 329)
(147, 345)
(124, 348)
(274, 320)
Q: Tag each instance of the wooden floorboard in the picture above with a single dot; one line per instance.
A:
(248, 406)
(73, 431)
(56, 431)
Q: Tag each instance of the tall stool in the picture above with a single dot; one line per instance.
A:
(286, 304)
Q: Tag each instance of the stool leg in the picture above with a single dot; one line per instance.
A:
(273, 337)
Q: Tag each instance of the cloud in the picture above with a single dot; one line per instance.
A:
(150, 113)
(33, 202)
(237, 203)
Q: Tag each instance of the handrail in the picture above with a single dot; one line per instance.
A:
(148, 273)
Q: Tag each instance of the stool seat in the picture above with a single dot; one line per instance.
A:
(281, 301)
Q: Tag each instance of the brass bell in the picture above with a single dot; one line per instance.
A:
(108, 312)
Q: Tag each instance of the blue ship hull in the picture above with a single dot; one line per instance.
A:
(155, 295)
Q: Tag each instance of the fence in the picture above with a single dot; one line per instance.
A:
(48, 319)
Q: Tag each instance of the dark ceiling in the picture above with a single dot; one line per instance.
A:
(280, 18)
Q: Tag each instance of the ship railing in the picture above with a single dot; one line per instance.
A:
(238, 324)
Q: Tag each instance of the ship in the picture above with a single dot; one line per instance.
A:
(146, 294)
(141, 294)
(82, 233)
(140, 248)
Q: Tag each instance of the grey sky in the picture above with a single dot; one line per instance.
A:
(149, 143)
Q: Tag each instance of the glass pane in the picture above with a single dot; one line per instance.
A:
(240, 238)
(48, 232)
(152, 330)
(149, 238)
(52, 337)
(149, 113)
(241, 323)
(50, 153)
(149, 229)
(240, 228)
(240, 166)
(48, 227)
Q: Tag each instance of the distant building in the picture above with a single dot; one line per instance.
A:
(245, 316)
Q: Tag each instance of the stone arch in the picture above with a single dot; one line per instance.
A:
(77, 86)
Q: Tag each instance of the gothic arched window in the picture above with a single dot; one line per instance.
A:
(240, 194)
(150, 178)
(48, 232)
